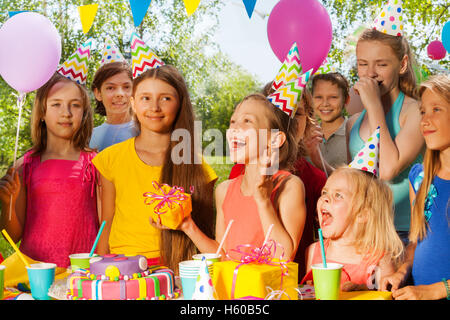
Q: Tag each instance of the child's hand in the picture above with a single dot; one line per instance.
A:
(158, 225)
(424, 292)
(369, 91)
(9, 185)
(392, 282)
(313, 138)
(264, 183)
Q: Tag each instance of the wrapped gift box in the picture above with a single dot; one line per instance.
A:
(170, 204)
(254, 279)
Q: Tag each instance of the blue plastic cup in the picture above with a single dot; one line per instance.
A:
(41, 276)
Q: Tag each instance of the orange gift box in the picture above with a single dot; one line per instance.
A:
(169, 205)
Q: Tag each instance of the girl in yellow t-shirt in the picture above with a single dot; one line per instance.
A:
(161, 104)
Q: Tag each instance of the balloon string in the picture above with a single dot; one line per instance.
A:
(20, 103)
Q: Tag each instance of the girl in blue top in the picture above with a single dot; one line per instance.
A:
(387, 89)
(428, 254)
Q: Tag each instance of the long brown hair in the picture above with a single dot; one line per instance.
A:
(175, 245)
(104, 73)
(431, 163)
(400, 47)
(81, 137)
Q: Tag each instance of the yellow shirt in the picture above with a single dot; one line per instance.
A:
(131, 231)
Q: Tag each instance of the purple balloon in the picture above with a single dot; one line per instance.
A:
(303, 21)
(436, 50)
(30, 49)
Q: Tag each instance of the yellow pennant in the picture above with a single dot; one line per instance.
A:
(191, 6)
(87, 16)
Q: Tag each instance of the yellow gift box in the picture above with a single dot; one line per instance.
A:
(170, 204)
(255, 279)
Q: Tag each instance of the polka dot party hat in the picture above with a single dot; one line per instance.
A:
(111, 53)
(203, 287)
(367, 158)
(390, 19)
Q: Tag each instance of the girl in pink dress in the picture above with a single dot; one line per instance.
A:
(53, 186)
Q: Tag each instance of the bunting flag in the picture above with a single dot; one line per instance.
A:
(367, 159)
(287, 97)
(111, 53)
(326, 67)
(142, 58)
(76, 67)
(87, 16)
(139, 10)
(290, 70)
(249, 6)
(191, 6)
(390, 19)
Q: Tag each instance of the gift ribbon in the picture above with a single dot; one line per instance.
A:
(260, 255)
(174, 196)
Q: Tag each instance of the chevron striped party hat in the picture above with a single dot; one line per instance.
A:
(111, 53)
(76, 67)
(142, 57)
(326, 67)
(390, 19)
(286, 98)
(290, 70)
(367, 158)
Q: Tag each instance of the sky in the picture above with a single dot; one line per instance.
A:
(243, 38)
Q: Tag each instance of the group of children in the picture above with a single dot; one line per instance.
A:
(385, 224)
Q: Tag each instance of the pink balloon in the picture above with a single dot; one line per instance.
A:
(436, 50)
(30, 49)
(303, 21)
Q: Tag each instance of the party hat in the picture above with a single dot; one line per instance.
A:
(326, 67)
(367, 158)
(111, 53)
(142, 58)
(203, 287)
(76, 67)
(390, 19)
(290, 70)
(286, 98)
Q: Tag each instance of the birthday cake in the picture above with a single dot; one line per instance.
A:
(120, 277)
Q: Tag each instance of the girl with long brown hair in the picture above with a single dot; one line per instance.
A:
(428, 255)
(161, 104)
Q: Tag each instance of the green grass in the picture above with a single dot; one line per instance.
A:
(219, 165)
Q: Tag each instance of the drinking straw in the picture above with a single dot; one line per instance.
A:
(323, 162)
(324, 260)
(96, 239)
(11, 242)
(268, 234)
(224, 236)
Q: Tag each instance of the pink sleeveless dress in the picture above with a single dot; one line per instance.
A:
(247, 227)
(61, 216)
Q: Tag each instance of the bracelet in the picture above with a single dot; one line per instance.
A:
(446, 287)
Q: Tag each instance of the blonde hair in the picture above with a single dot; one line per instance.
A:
(81, 137)
(377, 237)
(440, 85)
(400, 47)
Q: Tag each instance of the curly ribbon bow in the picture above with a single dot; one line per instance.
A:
(174, 196)
(260, 255)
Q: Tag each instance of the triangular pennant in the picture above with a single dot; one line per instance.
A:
(139, 10)
(87, 16)
(249, 6)
(142, 57)
(111, 53)
(287, 97)
(290, 70)
(326, 67)
(203, 287)
(367, 159)
(76, 66)
(191, 6)
(390, 19)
